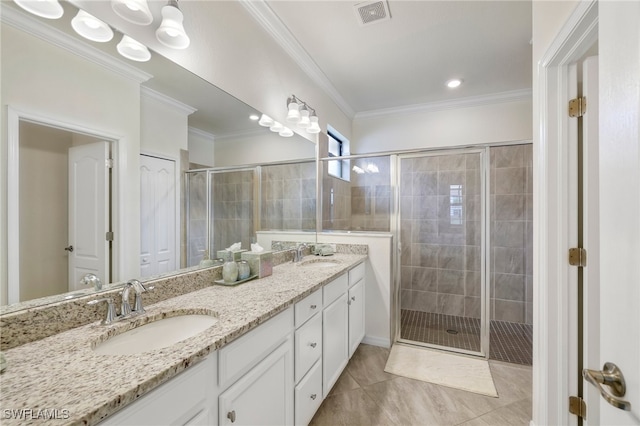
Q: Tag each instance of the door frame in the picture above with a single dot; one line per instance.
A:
(555, 337)
(14, 116)
(178, 193)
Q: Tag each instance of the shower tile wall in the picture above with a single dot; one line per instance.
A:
(336, 203)
(371, 194)
(197, 217)
(511, 233)
(289, 196)
(232, 209)
(440, 234)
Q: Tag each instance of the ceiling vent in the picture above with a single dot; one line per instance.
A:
(371, 12)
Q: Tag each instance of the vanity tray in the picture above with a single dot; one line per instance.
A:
(223, 282)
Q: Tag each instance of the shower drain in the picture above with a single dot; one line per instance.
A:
(452, 331)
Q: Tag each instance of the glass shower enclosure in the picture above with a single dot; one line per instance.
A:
(442, 212)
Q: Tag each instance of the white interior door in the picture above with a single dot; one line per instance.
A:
(88, 212)
(157, 216)
(619, 174)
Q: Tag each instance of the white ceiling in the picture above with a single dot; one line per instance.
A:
(407, 59)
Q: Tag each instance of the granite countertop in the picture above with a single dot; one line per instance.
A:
(63, 373)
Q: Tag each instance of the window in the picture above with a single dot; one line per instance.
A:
(338, 147)
(455, 204)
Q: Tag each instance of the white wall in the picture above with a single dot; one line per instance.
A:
(260, 148)
(496, 122)
(163, 126)
(52, 82)
(201, 147)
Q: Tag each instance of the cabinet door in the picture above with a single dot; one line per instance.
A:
(335, 341)
(263, 396)
(356, 316)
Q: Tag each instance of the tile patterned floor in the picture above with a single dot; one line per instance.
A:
(509, 342)
(366, 395)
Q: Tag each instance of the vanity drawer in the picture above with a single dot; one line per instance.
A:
(240, 356)
(308, 395)
(308, 346)
(335, 289)
(356, 274)
(308, 306)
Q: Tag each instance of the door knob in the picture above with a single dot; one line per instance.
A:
(231, 415)
(611, 377)
(69, 249)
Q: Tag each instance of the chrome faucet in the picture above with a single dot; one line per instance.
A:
(92, 279)
(125, 307)
(297, 252)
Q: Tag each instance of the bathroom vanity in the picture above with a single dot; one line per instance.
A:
(277, 348)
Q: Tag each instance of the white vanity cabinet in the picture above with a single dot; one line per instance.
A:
(335, 332)
(356, 307)
(187, 399)
(308, 357)
(256, 375)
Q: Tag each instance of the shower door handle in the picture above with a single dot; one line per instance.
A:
(611, 377)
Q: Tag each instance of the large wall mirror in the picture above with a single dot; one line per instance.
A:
(161, 126)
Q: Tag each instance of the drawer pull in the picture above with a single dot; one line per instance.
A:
(313, 345)
(314, 396)
(231, 415)
(314, 306)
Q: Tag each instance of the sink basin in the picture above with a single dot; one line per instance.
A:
(155, 335)
(319, 263)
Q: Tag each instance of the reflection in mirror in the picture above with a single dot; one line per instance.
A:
(229, 204)
(215, 131)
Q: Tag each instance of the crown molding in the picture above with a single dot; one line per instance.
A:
(266, 17)
(167, 100)
(37, 28)
(473, 101)
(201, 133)
(226, 137)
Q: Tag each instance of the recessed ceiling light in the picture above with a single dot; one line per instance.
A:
(453, 83)
(254, 117)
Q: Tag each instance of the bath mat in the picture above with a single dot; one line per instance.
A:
(441, 368)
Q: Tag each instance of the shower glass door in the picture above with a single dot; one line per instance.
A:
(441, 223)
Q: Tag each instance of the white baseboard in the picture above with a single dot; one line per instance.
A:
(376, 341)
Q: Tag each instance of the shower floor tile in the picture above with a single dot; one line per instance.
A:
(509, 342)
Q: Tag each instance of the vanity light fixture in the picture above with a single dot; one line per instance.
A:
(132, 49)
(265, 121)
(293, 116)
(314, 127)
(276, 127)
(171, 32)
(90, 27)
(49, 9)
(254, 117)
(453, 83)
(286, 132)
(304, 117)
(134, 11)
(302, 114)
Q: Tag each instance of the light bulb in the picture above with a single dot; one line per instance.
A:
(276, 127)
(90, 27)
(286, 132)
(314, 127)
(171, 32)
(132, 49)
(49, 9)
(134, 11)
(293, 116)
(265, 121)
(304, 119)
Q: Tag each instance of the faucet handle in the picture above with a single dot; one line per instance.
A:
(111, 310)
(139, 289)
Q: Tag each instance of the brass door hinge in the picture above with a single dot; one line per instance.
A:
(578, 407)
(577, 107)
(578, 257)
